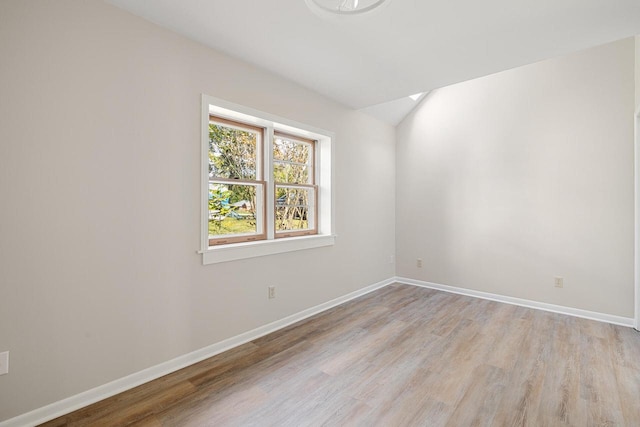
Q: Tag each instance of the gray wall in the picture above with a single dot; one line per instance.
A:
(100, 187)
(509, 180)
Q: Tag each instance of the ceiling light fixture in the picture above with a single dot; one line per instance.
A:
(345, 7)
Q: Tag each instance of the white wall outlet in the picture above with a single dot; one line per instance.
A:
(4, 363)
(272, 292)
(419, 262)
(392, 259)
(558, 282)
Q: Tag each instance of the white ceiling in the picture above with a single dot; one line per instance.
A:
(406, 47)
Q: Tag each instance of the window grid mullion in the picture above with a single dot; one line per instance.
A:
(289, 162)
(291, 185)
(270, 200)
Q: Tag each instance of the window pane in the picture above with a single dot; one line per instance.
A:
(290, 173)
(232, 152)
(232, 209)
(294, 208)
(292, 160)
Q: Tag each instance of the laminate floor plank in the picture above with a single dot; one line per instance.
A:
(401, 356)
(568, 408)
(356, 353)
(599, 388)
(519, 406)
(506, 344)
(479, 404)
(407, 404)
(151, 421)
(353, 415)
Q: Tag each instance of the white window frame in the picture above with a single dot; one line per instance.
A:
(323, 177)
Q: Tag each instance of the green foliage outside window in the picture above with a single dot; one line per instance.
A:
(232, 155)
(291, 165)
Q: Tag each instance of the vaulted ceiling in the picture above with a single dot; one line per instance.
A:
(403, 48)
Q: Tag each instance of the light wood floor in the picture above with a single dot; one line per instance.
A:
(402, 356)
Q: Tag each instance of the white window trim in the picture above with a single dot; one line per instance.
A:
(324, 177)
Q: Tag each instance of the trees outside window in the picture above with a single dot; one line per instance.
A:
(236, 189)
(293, 174)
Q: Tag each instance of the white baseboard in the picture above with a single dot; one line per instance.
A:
(62, 407)
(570, 311)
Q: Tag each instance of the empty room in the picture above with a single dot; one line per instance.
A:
(319, 213)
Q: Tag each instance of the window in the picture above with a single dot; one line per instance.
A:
(236, 189)
(266, 184)
(293, 175)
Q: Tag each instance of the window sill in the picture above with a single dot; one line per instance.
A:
(237, 251)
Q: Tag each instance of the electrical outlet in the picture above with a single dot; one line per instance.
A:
(272, 292)
(419, 262)
(4, 363)
(392, 259)
(558, 282)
